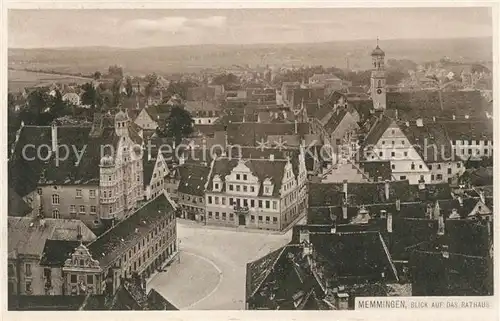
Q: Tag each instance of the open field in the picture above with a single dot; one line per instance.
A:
(19, 79)
(165, 60)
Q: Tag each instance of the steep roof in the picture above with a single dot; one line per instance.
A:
(378, 129)
(16, 205)
(352, 256)
(27, 236)
(110, 245)
(248, 134)
(193, 178)
(56, 252)
(376, 170)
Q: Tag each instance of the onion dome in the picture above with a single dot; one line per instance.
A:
(378, 52)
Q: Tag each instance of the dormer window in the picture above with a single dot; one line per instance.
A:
(238, 177)
(217, 183)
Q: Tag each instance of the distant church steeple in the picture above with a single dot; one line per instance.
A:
(378, 80)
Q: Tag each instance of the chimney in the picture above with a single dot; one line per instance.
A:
(434, 118)
(445, 252)
(398, 205)
(454, 117)
(454, 214)
(333, 228)
(389, 222)
(386, 188)
(79, 236)
(296, 127)
(419, 122)
(344, 209)
(345, 188)
(54, 136)
(428, 211)
(440, 225)
(271, 157)
(460, 200)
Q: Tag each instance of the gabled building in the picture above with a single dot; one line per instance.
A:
(193, 178)
(257, 193)
(99, 178)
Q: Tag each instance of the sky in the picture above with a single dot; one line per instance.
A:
(47, 28)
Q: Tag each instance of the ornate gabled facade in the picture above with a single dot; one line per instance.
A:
(82, 273)
(257, 193)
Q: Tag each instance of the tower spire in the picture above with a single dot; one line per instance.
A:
(377, 41)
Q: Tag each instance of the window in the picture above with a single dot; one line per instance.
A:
(244, 177)
(267, 190)
(406, 154)
(231, 188)
(420, 166)
(56, 214)
(238, 177)
(430, 167)
(252, 189)
(231, 216)
(216, 199)
(439, 177)
(223, 200)
(393, 154)
(260, 218)
(28, 269)
(210, 200)
(275, 205)
(252, 218)
(12, 272)
(82, 209)
(244, 188)
(252, 203)
(28, 286)
(39, 190)
(260, 203)
(402, 142)
(55, 199)
(268, 219)
(449, 171)
(209, 214)
(72, 208)
(78, 193)
(216, 215)
(402, 177)
(432, 177)
(216, 185)
(458, 165)
(73, 278)
(245, 202)
(91, 193)
(237, 188)
(230, 201)
(268, 204)
(486, 151)
(275, 220)
(383, 142)
(393, 166)
(381, 154)
(223, 216)
(412, 166)
(393, 142)
(439, 166)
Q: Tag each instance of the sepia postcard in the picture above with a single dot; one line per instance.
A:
(250, 161)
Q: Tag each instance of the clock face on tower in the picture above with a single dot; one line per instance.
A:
(379, 91)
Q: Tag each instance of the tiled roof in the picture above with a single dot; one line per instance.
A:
(262, 168)
(248, 134)
(259, 270)
(53, 302)
(469, 129)
(335, 120)
(195, 106)
(157, 302)
(468, 204)
(429, 134)
(56, 252)
(16, 205)
(201, 93)
(376, 170)
(112, 244)
(433, 192)
(331, 194)
(427, 103)
(378, 129)
(193, 178)
(159, 112)
(354, 256)
(27, 236)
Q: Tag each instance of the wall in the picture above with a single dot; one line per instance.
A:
(447, 170)
(67, 197)
(144, 121)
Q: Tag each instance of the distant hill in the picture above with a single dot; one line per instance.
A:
(165, 60)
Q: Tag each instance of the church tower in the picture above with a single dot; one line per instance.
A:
(378, 90)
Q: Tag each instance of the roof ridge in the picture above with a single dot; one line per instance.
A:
(388, 255)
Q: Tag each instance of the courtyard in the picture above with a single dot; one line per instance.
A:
(209, 273)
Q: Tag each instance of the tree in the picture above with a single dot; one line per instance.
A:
(151, 84)
(178, 88)
(96, 75)
(89, 95)
(11, 101)
(115, 71)
(129, 87)
(116, 91)
(178, 125)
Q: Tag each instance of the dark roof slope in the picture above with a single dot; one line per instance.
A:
(193, 178)
(16, 205)
(248, 134)
(110, 245)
